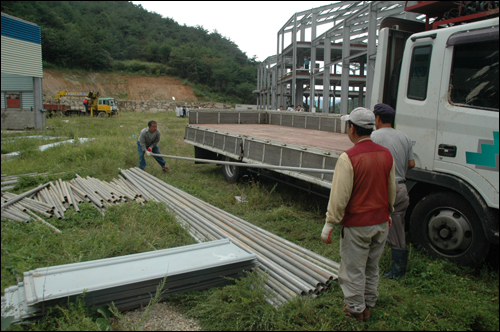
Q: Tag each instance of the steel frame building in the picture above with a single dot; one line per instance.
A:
(347, 50)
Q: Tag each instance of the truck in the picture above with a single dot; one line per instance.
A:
(443, 85)
(95, 106)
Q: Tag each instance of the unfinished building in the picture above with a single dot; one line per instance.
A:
(312, 70)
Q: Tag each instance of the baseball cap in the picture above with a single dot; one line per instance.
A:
(362, 117)
(384, 109)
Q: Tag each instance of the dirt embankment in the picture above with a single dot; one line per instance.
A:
(119, 86)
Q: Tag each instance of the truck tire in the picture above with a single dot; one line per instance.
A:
(447, 226)
(231, 173)
(102, 114)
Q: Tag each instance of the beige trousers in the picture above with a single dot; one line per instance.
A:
(360, 251)
(397, 236)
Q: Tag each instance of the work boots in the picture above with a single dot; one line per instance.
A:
(399, 262)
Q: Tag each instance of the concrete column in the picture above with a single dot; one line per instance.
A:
(294, 61)
(360, 97)
(302, 32)
(333, 98)
(312, 63)
(258, 86)
(38, 103)
(273, 89)
(283, 70)
(372, 51)
(344, 80)
(326, 75)
(300, 95)
(276, 73)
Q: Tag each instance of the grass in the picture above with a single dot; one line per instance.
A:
(434, 295)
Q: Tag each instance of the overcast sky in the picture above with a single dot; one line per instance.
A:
(252, 25)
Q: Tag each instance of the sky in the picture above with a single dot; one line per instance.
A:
(252, 25)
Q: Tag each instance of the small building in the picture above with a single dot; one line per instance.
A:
(21, 90)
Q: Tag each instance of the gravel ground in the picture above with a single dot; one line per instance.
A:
(163, 317)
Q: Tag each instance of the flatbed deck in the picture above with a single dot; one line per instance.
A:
(292, 139)
(298, 136)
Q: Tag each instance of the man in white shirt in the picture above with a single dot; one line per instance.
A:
(401, 149)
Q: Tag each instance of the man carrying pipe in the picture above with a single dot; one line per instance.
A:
(361, 200)
(147, 144)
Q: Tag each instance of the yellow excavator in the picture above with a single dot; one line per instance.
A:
(94, 106)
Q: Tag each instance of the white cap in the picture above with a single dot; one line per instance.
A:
(362, 117)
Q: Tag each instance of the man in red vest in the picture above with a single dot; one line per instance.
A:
(361, 201)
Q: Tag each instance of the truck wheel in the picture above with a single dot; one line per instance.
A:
(231, 173)
(102, 114)
(446, 225)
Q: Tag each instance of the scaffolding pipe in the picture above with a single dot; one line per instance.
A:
(230, 163)
(26, 194)
(313, 278)
(311, 282)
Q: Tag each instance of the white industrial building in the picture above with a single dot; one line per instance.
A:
(21, 91)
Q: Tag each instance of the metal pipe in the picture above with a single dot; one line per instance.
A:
(129, 186)
(70, 192)
(36, 205)
(13, 209)
(78, 191)
(247, 165)
(139, 187)
(205, 204)
(126, 193)
(98, 190)
(258, 246)
(63, 190)
(297, 261)
(56, 200)
(303, 250)
(21, 196)
(263, 260)
(6, 214)
(89, 193)
(48, 198)
(44, 222)
(59, 191)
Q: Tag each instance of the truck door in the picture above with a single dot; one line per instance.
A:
(467, 137)
(418, 95)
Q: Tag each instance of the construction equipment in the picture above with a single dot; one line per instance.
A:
(95, 106)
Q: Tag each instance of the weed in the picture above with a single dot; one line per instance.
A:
(434, 295)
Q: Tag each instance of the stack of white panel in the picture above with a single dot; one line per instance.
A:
(128, 281)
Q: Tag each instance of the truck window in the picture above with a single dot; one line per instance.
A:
(419, 72)
(474, 75)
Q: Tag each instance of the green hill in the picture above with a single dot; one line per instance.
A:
(122, 37)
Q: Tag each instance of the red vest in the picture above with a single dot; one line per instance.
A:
(369, 202)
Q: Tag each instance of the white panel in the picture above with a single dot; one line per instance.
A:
(2, 104)
(27, 101)
(13, 82)
(21, 57)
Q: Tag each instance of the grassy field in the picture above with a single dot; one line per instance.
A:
(434, 295)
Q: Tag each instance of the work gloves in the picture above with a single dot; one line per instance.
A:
(325, 234)
(148, 152)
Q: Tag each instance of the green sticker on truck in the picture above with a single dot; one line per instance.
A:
(486, 156)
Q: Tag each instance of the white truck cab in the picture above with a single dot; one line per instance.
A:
(443, 85)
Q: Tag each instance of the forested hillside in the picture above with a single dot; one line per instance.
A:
(120, 36)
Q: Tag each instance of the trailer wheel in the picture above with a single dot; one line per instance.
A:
(231, 173)
(447, 226)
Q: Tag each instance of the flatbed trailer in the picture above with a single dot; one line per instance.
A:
(279, 138)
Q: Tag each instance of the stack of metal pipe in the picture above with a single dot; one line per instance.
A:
(54, 198)
(290, 268)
